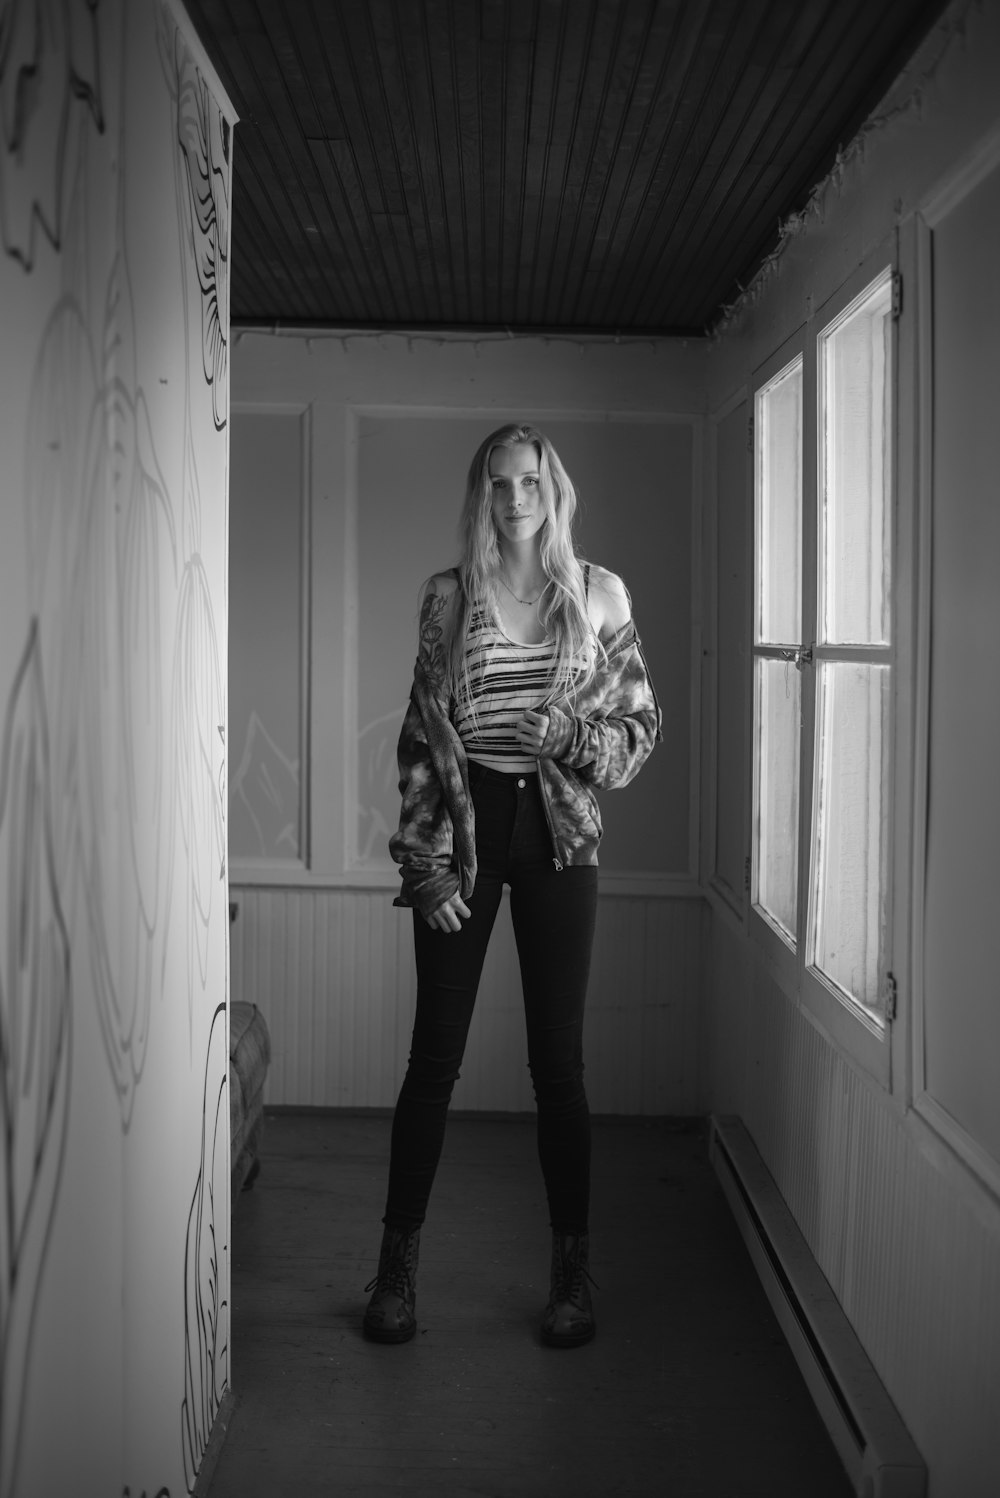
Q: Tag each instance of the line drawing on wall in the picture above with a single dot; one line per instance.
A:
(101, 544)
(198, 711)
(264, 791)
(378, 777)
(206, 1309)
(35, 1036)
(112, 759)
(49, 82)
(197, 729)
(198, 696)
(205, 139)
(132, 556)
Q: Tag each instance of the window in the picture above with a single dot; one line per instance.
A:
(823, 659)
(777, 636)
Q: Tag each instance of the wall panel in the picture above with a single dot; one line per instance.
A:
(958, 888)
(268, 614)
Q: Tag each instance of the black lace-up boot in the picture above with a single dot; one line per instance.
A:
(569, 1315)
(390, 1315)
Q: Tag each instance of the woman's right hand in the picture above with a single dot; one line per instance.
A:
(449, 915)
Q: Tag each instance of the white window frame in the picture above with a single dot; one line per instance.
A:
(847, 1025)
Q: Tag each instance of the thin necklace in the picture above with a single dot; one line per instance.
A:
(528, 602)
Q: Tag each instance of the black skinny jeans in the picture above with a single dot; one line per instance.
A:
(553, 913)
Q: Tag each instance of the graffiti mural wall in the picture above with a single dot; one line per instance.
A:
(115, 172)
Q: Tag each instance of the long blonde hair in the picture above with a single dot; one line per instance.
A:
(562, 609)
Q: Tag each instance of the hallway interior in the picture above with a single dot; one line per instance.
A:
(688, 1389)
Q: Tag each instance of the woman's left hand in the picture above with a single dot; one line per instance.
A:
(531, 729)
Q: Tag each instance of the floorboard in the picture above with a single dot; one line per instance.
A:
(688, 1389)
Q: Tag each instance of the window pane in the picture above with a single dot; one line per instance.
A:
(777, 703)
(778, 487)
(855, 359)
(852, 722)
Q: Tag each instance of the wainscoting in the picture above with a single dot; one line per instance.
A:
(908, 1246)
(332, 971)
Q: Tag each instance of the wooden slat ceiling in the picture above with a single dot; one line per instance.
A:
(599, 165)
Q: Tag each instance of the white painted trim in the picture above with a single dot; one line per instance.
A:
(793, 350)
(877, 1450)
(984, 1166)
(969, 1150)
(274, 874)
(857, 1035)
(907, 555)
(207, 70)
(960, 181)
(722, 906)
(403, 411)
(968, 1184)
(922, 647)
(267, 874)
(735, 901)
(268, 408)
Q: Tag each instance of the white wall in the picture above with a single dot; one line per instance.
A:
(387, 426)
(114, 1269)
(895, 1180)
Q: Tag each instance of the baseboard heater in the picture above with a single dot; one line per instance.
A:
(864, 1424)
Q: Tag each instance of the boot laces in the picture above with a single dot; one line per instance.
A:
(394, 1279)
(568, 1282)
(394, 1275)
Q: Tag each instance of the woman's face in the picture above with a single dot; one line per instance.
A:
(518, 513)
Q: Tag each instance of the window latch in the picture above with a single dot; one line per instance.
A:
(801, 656)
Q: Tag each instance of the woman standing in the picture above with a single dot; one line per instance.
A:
(530, 690)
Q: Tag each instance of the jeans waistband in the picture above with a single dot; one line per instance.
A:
(485, 775)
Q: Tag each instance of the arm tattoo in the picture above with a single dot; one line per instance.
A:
(431, 649)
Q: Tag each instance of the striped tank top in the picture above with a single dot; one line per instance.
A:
(505, 678)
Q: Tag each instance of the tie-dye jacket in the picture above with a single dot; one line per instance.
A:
(596, 740)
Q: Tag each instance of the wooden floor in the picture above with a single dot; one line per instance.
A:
(688, 1389)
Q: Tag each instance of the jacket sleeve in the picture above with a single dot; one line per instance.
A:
(423, 843)
(608, 732)
(434, 844)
